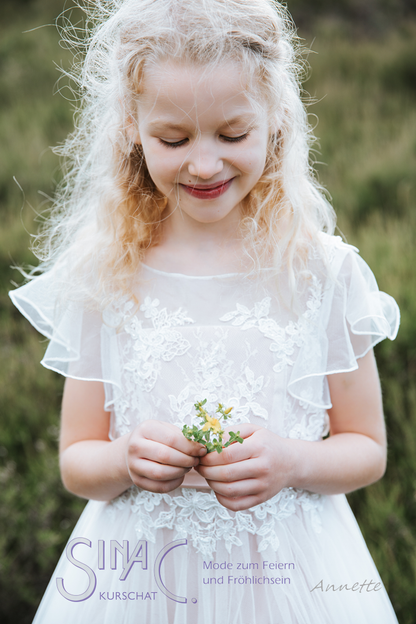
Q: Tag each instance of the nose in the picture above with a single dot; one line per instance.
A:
(204, 161)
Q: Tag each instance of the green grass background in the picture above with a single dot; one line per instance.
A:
(363, 78)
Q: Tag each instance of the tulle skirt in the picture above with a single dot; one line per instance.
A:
(111, 574)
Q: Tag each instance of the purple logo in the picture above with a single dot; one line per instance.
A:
(158, 565)
(139, 555)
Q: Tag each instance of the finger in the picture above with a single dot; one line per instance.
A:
(160, 487)
(238, 504)
(234, 453)
(229, 473)
(162, 454)
(245, 429)
(236, 489)
(172, 436)
(155, 471)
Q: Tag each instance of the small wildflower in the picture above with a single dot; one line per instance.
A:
(211, 425)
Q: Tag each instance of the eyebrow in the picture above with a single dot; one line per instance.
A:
(167, 125)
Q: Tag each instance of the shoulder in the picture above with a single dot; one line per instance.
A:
(332, 247)
(335, 259)
(344, 274)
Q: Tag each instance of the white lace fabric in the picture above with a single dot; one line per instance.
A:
(228, 339)
(200, 518)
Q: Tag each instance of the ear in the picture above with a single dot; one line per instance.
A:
(133, 131)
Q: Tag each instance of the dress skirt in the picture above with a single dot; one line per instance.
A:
(316, 570)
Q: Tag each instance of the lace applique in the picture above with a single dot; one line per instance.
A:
(209, 370)
(150, 345)
(199, 517)
(312, 426)
(143, 351)
(284, 339)
(215, 379)
(303, 420)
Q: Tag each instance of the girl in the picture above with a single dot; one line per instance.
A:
(191, 256)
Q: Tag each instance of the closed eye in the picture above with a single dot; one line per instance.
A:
(235, 139)
(227, 139)
(175, 144)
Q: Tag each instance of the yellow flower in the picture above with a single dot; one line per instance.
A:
(212, 423)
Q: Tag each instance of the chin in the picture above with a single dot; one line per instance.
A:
(209, 220)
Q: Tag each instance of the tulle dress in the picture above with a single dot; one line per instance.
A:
(182, 558)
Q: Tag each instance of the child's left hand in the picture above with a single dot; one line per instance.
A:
(244, 475)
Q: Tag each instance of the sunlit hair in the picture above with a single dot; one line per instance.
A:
(107, 210)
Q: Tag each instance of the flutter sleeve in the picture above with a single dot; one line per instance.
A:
(80, 346)
(354, 316)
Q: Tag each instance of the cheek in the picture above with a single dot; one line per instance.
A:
(162, 166)
(253, 161)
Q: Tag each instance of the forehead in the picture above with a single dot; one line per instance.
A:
(180, 92)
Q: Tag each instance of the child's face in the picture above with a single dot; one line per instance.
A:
(205, 146)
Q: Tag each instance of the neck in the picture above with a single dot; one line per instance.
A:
(186, 245)
(179, 226)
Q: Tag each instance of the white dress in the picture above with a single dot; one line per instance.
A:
(182, 558)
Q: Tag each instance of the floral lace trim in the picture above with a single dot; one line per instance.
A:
(199, 516)
(284, 339)
(215, 377)
(148, 346)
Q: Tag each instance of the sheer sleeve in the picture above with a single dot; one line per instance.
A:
(80, 346)
(355, 316)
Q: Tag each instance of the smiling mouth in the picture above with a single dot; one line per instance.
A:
(208, 191)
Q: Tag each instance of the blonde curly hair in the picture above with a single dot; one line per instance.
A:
(107, 210)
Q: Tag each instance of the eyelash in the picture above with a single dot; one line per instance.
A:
(227, 139)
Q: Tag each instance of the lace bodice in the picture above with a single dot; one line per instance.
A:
(194, 339)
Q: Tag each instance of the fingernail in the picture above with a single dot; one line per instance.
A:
(202, 451)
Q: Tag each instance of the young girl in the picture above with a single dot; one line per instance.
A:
(191, 256)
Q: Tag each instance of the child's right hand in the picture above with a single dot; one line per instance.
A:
(158, 456)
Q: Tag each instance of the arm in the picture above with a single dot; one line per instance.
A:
(355, 454)
(155, 455)
(352, 457)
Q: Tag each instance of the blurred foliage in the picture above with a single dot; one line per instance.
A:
(365, 95)
(370, 16)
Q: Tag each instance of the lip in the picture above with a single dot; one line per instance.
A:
(208, 191)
